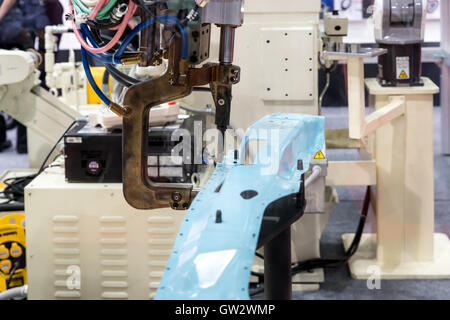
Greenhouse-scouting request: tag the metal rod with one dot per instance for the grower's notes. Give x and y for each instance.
(277, 267)
(316, 171)
(227, 34)
(324, 91)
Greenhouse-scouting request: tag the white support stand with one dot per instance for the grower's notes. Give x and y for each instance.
(405, 246)
(445, 94)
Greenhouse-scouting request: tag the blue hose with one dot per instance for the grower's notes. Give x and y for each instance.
(329, 3)
(115, 59)
(87, 70)
(102, 57)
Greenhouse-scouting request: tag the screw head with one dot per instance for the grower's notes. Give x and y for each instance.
(221, 102)
(176, 196)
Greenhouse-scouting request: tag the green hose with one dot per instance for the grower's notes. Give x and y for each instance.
(106, 10)
(81, 7)
(103, 14)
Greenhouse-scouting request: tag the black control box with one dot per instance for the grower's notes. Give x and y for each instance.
(94, 155)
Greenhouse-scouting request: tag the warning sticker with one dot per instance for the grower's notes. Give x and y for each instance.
(403, 68)
(319, 156)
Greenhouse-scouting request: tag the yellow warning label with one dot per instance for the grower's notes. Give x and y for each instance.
(403, 75)
(319, 156)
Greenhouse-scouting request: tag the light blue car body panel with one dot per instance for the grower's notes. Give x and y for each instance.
(212, 261)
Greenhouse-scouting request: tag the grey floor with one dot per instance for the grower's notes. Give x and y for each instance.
(338, 283)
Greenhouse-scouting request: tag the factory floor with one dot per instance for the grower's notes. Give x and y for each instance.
(338, 282)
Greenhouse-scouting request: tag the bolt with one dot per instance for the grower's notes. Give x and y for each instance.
(219, 216)
(176, 196)
(221, 102)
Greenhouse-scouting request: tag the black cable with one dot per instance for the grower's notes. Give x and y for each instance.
(124, 79)
(105, 80)
(257, 274)
(259, 255)
(12, 207)
(256, 291)
(102, 24)
(42, 168)
(312, 264)
(100, 39)
(14, 187)
(14, 191)
(121, 77)
(11, 273)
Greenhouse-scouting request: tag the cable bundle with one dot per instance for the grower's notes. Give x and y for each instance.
(101, 10)
(14, 190)
(89, 17)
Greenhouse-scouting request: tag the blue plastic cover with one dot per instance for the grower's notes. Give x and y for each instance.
(212, 261)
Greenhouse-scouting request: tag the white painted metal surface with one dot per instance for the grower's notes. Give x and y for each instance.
(445, 85)
(85, 242)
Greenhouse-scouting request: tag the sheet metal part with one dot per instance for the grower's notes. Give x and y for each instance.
(213, 260)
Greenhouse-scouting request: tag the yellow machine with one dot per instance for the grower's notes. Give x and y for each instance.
(12, 251)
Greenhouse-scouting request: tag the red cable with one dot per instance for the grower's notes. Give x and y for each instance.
(131, 10)
(100, 4)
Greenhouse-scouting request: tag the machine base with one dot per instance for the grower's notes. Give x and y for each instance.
(365, 258)
(414, 83)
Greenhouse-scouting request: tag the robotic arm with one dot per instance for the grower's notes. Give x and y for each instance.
(400, 28)
(22, 98)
